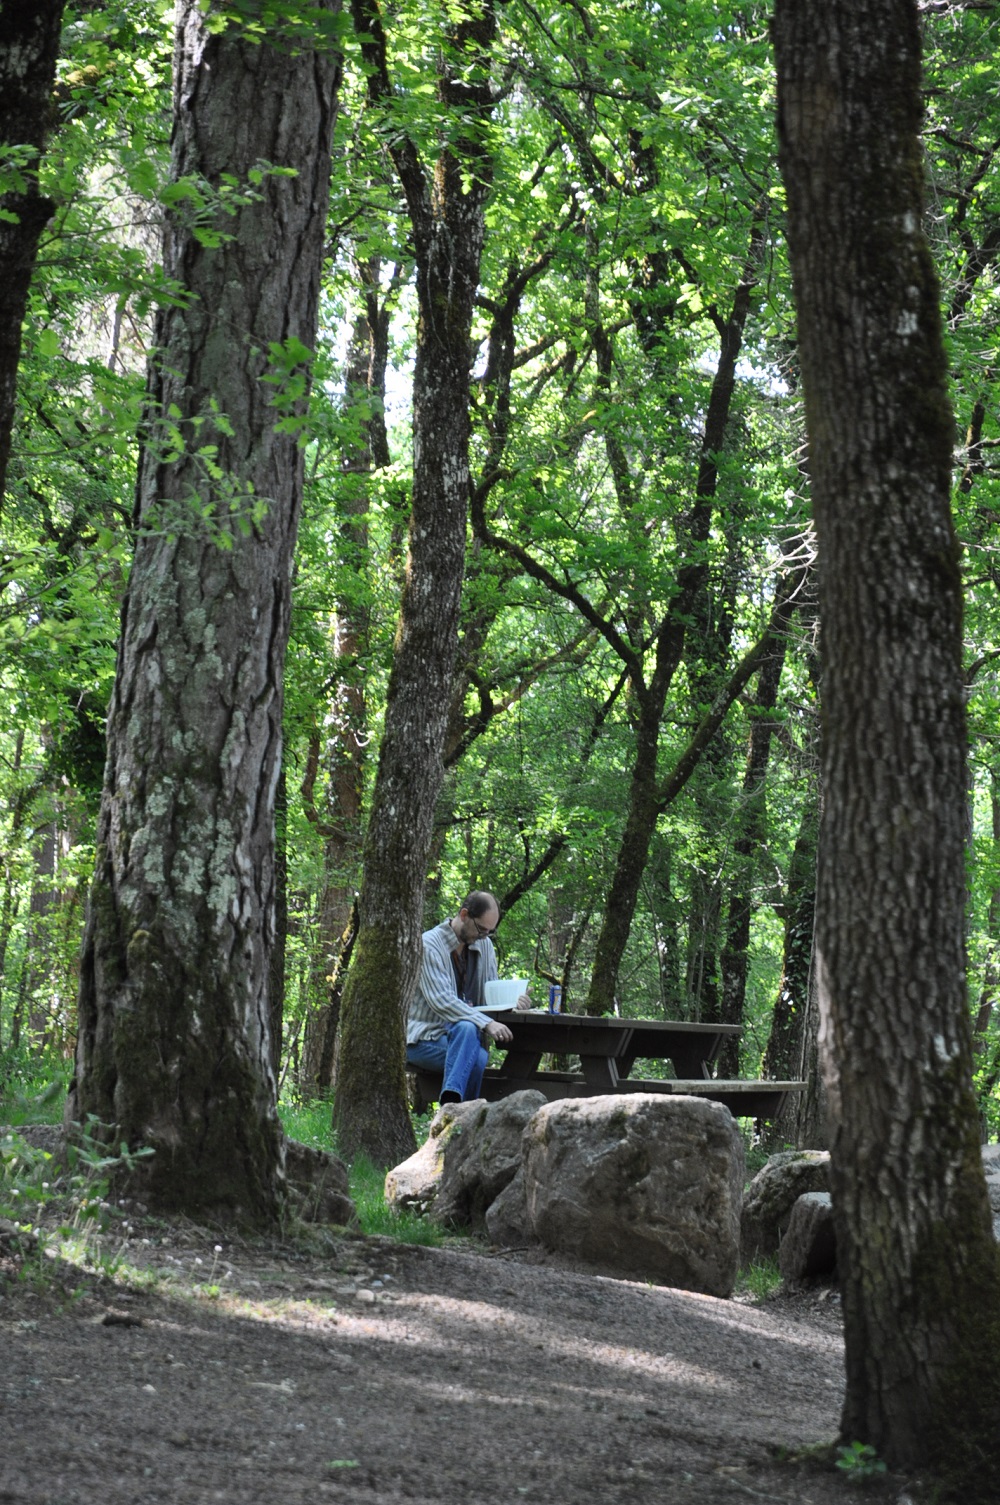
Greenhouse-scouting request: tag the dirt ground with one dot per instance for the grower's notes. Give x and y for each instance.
(366, 1371)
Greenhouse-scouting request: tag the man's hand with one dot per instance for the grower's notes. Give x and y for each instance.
(524, 1002)
(498, 1032)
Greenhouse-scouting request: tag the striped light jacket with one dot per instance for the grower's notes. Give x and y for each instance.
(435, 1005)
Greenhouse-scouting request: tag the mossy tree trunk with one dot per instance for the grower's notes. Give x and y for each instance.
(918, 1261)
(174, 1039)
(446, 204)
(29, 48)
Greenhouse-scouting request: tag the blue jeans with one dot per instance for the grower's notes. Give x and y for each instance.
(458, 1056)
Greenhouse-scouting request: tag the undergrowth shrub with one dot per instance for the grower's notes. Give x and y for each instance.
(58, 1203)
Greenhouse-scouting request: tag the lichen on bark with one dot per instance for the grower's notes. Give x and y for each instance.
(174, 1046)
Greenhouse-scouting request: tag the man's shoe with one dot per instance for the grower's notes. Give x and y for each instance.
(449, 1097)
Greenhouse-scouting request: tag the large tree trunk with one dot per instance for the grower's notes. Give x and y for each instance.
(918, 1261)
(447, 215)
(175, 1004)
(29, 48)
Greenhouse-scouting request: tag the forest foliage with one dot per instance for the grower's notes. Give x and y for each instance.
(639, 506)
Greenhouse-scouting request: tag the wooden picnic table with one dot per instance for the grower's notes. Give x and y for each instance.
(608, 1048)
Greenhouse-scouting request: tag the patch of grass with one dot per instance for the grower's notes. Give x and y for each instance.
(31, 1093)
(310, 1123)
(376, 1216)
(759, 1279)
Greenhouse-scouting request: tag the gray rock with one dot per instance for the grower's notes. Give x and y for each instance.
(809, 1248)
(414, 1182)
(472, 1153)
(483, 1159)
(507, 1220)
(317, 1182)
(647, 1185)
(773, 1192)
(991, 1166)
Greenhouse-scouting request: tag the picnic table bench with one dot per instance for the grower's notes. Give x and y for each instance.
(608, 1048)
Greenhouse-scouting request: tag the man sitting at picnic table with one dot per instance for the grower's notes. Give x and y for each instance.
(447, 1030)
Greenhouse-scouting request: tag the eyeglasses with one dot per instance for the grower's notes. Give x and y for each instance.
(482, 930)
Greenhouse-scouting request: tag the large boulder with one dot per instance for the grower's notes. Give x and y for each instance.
(318, 1185)
(507, 1221)
(809, 1248)
(412, 1185)
(473, 1151)
(647, 1185)
(481, 1161)
(991, 1165)
(773, 1192)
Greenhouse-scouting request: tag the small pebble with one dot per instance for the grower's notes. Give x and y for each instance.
(364, 1296)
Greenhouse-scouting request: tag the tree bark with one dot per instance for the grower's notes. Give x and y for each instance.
(918, 1261)
(29, 49)
(279, 950)
(174, 1045)
(446, 210)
